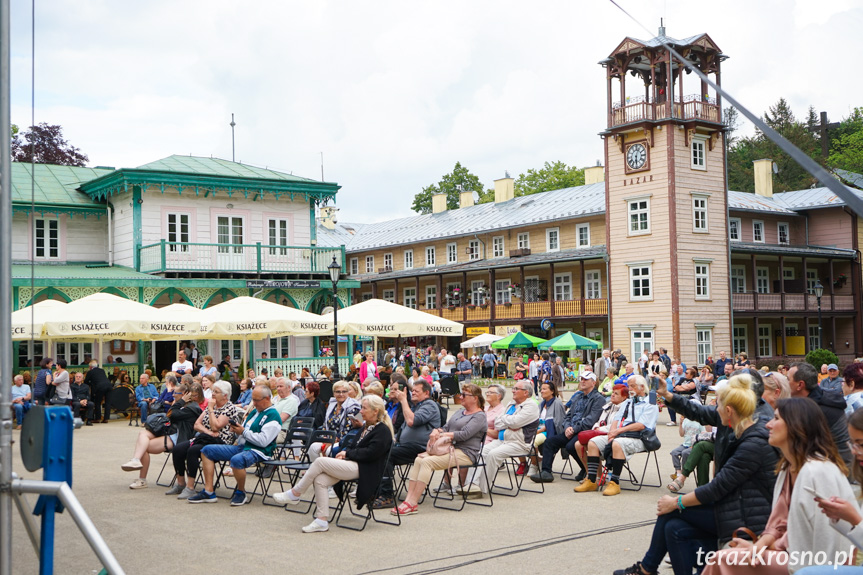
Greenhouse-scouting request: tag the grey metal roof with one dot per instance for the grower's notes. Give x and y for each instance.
(545, 207)
(658, 41)
(753, 202)
(811, 199)
(808, 251)
(852, 178)
(343, 234)
(591, 253)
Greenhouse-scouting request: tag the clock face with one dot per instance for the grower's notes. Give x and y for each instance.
(636, 156)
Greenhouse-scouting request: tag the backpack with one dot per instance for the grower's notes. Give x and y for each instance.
(444, 413)
(158, 424)
(545, 370)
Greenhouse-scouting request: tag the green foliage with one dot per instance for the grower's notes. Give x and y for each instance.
(550, 177)
(846, 146)
(448, 185)
(44, 144)
(819, 357)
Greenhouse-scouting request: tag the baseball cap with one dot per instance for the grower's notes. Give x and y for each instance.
(588, 375)
(832, 366)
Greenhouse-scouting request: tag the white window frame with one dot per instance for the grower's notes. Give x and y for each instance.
(474, 291)
(388, 261)
(698, 152)
(409, 259)
(49, 243)
(702, 282)
(370, 264)
(178, 232)
(811, 280)
(231, 236)
(788, 273)
(278, 346)
(635, 208)
(813, 336)
(765, 277)
(475, 252)
(524, 240)
(67, 350)
(699, 213)
(452, 253)
(734, 224)
(641, 272)
(703, 343)
(355, 266)
(431, 256)
(585, 241)
(637, 339)
(389, 295)
(366, 296)
(738, 272)
(762, 339)
(502, 294)
(498, 247)
(278, 232)
(552, 239)
(739, 333)
(564, 281)
(756, 226)
(779, 227)
(593, 284)
(431, 297)
(232, 347)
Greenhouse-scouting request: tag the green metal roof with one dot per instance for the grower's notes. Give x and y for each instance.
(78, 271)
(217, 167)
(54, 185)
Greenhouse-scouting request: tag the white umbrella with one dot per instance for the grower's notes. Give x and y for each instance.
(28, 323)
(180, 314)
(381, 318)
(482, 340)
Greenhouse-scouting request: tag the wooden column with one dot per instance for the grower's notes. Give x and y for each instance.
(375, 290)
(755, 354)
(806, 348)
(830, 285)
(581, 283)
(523, 289)
(492, 296)
(782, 286)
(754, 283)
(784, 341)
(833, 331)
(464, 301)
(806, 294)
(440, 295)
(551, 289)
(608, 81)
(418, 294)
(396, 292)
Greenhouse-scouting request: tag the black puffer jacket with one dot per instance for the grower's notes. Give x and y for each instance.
(832, 404)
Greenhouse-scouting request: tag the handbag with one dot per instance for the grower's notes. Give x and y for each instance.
(56, 400)
(442, 446)
(650, 440)
(518, 375)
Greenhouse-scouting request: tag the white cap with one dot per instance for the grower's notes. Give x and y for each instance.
(588, 375)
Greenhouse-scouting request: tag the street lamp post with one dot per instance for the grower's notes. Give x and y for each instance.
(819, 291)
(335, 271)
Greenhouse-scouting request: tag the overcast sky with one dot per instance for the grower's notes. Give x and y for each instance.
(393, 93)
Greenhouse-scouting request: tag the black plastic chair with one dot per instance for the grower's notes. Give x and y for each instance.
(345, 501)
(446, 500)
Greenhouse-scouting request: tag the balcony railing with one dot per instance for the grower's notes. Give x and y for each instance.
(525, 310)
(751, 301)
(692, 108)
(238, 258)
(296, 364)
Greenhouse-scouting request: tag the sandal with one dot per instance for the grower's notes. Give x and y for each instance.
(675, 485)
(404, 509)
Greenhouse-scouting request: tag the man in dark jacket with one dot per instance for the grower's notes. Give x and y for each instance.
(100, 389)
(581, 416)
(81, 403)
(719, 366)
(803, 379)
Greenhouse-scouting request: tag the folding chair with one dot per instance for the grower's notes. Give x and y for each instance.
(448, 388)
(345, 501)
(639, 482)
(567, 462)
(164, 465)
(511, 466)
(293, 468)
(442, 498)
(266, 471)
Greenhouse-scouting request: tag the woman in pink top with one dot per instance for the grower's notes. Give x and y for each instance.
(494, 397)
(368, 368)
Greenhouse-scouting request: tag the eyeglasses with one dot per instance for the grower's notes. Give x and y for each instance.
(340, 391)
(856, 447)
(519, 389)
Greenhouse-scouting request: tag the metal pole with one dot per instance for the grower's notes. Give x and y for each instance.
(233, 149)
(336, 376)
(820, 329)
(5, 297)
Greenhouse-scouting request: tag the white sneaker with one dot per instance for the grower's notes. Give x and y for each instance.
(132, 465)
(532, 470)
(670, 424)
(186, 493)
(332, 494)
(316, 527)
(285, 499)
(138, 484)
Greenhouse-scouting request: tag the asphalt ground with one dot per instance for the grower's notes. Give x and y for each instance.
(555, 532)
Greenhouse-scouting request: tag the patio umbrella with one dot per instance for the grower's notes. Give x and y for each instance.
(570, 341)
(380, 318)
(28, 323)
(482, 340)
(517, 339)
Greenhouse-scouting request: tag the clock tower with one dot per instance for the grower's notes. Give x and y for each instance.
(666, 205)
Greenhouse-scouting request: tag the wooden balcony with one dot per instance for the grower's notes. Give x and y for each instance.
(790, 302)
(639, 110)
(526, 310)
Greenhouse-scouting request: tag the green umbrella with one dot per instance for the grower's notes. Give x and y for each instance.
(517, 339)
(570, 341)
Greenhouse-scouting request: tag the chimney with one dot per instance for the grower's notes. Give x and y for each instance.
(594, 175)
(764, 177)
(328, 217)
(504, 189)
(438, 203)
(465, 199)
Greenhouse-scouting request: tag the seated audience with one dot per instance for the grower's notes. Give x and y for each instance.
(852, 387)
(81, 405)
(166, 396)
(21, 400)
(601, 427)
(551, 418)
(245, 398)
(804, 383)
(286, 404)
(775, 388)
(833, 381)
(312, 406)
(339, 417)
(145, 396)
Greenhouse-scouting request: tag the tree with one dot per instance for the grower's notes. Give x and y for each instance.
(846, 146)
(550, 177)
(448, 184)
(44, 144)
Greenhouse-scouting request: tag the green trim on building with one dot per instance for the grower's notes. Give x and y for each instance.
(137, 231)
(43, 210)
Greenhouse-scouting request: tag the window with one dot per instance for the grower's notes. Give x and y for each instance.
(811, 280)
(178, 232)
(642, 340)
(582, 235)
(738, 339)
(783, 233)
(639, 282)
(475, 297)
(814, 339)
(370, 264)
(389, 295)
(738, 279)
(46, 239)
(409, 259)
(762, 280)
(765, 344)
(788, 273)
(535, 289)
(430, 256)
(431, 297)
(501, 292)
(562, 287)
(277, 234)
(452, 253)
(699, 214)
(639, 216)
(280, 347)
(524, 241)
(702, 283)
(229, 231)
(698, 154)
(233, 348)
(757, 231)
(75, 353)
(704, 344)
(473, 249)
(592, 285)
(497, 247)
(26, 351)
(367, 296)
(388, 261)
(734, 229)
(552, 239)
(355, 266)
